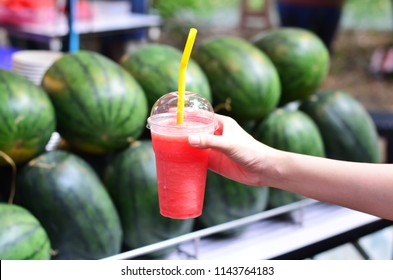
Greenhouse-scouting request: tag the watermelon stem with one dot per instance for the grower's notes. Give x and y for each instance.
(41, 165)
(11, 162)
(226, 105)
(131, 140)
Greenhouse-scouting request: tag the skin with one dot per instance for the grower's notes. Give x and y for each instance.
(366, 187)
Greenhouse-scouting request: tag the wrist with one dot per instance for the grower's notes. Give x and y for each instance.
(274, 164)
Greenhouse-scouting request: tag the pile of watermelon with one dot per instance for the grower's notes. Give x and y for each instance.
(95, 194)
(272, 86)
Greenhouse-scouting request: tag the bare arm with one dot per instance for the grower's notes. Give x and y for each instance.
(360, 186)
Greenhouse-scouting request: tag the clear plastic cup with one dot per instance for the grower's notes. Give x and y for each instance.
(181, 169)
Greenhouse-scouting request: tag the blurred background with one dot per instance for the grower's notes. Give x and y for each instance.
(358, 34)
(363, 29)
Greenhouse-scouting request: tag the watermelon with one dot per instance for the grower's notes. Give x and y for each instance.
(227, 200)
(131, 181)
(347, 129)
(99, 106)
(239, 74)
(72, 204)
(300, 57)
(22, 237)
(156, 68)
(289, 130)
(27, 118)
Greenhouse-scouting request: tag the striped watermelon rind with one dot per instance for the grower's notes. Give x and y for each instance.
(22, 237)
(300, 57)
(347, 129)
(99, 106)
(27, 118)
(240, 73)
(156, 68)
(72, 205)
(292, 131)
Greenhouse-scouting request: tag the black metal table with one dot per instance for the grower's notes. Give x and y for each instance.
(54, 33)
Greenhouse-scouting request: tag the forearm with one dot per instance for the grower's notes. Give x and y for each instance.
(360, 186)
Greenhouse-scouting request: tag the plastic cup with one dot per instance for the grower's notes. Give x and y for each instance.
(181, 169)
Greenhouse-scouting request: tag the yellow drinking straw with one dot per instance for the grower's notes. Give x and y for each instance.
(182, 74)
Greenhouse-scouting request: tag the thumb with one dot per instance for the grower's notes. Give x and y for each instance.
(204, 141)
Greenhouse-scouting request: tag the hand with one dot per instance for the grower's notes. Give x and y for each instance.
(235, 154)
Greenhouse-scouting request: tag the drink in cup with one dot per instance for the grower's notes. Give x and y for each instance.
(181, 169)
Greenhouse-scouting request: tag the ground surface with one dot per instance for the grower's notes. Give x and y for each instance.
(349, 69)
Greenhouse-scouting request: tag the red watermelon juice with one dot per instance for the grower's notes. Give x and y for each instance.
(181, 169)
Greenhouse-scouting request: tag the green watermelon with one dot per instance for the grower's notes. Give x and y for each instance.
(227, 200)
(239, 74)
(131, 181)
(156, 68)
(347, 129)
(301, 59)
(22, 237)
(99, 106)
(292, 131)
(72, 204)
(27, 118)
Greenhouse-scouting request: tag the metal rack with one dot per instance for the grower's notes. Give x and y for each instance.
(66, 27)
(309, 228)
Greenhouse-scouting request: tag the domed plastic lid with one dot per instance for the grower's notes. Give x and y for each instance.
(198, 113)
(192, 102)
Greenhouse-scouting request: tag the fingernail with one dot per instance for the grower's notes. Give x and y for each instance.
(194, 140)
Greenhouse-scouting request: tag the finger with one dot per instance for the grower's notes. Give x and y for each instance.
(204, 141)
